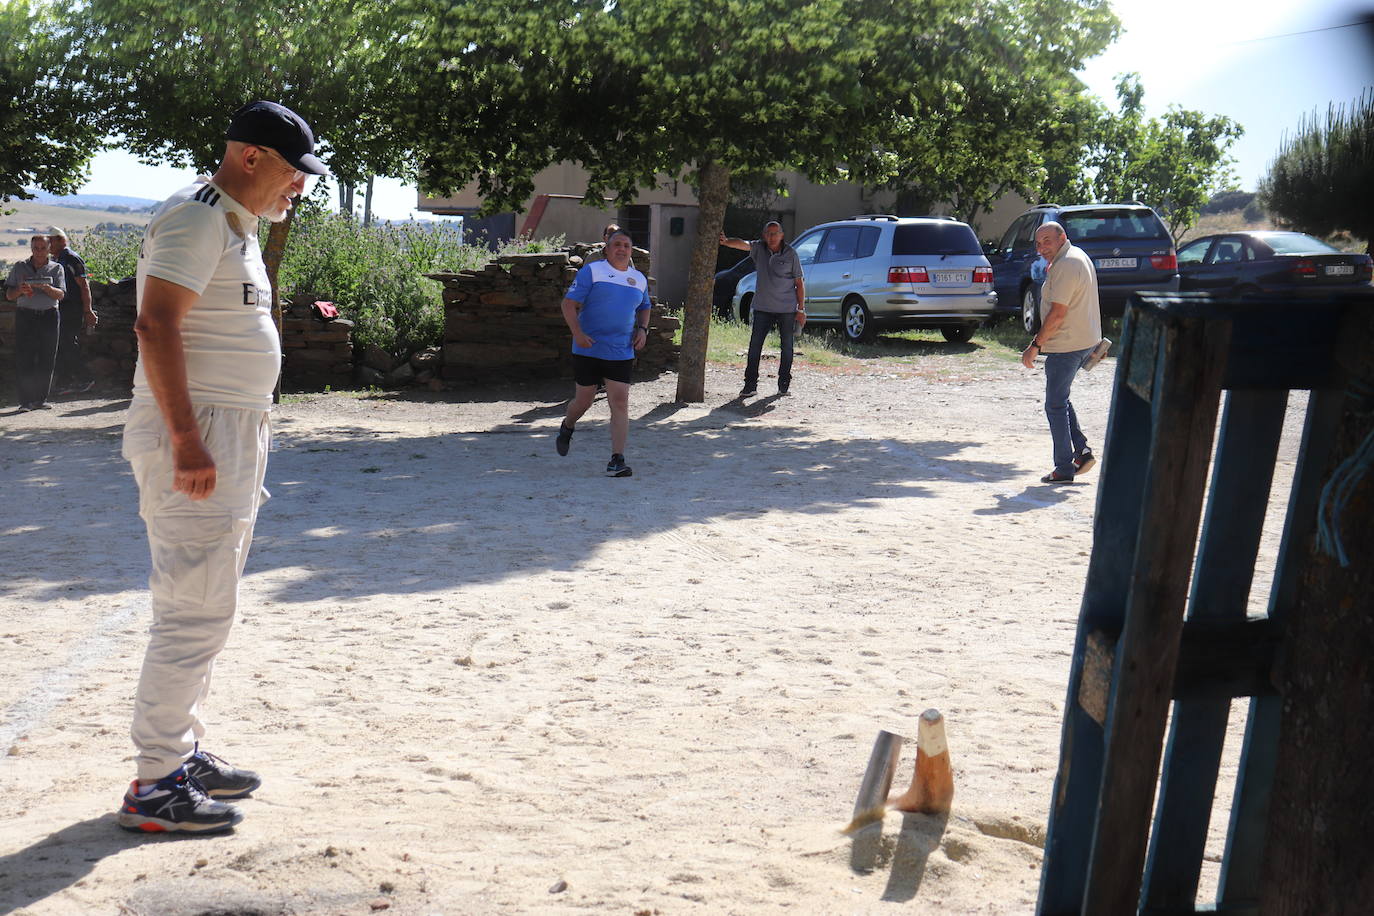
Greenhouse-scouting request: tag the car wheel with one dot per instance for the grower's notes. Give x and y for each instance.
(960, 333)
(1030, 310)
(745, 307)
(858, 321)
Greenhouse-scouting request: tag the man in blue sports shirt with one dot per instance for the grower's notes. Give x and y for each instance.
(607, 310)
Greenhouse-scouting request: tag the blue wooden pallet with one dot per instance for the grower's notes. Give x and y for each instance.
(1146, 641)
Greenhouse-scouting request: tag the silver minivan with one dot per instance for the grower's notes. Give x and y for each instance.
(871, 272)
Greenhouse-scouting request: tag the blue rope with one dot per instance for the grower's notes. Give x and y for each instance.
(1338, 490)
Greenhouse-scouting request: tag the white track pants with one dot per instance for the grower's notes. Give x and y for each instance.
(198, 551)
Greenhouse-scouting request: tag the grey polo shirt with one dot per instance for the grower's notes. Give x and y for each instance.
(775, 289)
(50, 273)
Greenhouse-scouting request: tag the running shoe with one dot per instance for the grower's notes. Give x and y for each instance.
(1099, 351)
(748, 391)
(1084, 462)
(564, 440)
(177, 803)
(1056, 477)
(617, 467)
(218, 778)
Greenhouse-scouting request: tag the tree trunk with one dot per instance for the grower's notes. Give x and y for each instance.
(271, 258)
(713, 192)
(345, 198)
(367, 201)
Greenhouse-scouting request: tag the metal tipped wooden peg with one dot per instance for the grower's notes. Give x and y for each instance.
(882, 766)
(932, 787)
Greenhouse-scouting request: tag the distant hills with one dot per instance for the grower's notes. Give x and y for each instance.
(114, 203)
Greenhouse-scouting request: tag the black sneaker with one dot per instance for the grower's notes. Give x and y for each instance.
(177, 804)
(564, 440)
(748, 391)
(218, 778)
(617, 467)
(1084, 461)
(1056, 477)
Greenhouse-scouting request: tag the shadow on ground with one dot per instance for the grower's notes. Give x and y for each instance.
(464, 507)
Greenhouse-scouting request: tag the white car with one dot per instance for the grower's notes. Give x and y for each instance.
(872, 272)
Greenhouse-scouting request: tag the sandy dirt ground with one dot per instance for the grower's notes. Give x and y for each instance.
(480, 678)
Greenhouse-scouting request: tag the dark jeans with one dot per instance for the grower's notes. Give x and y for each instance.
(35, 352)
(764, 322)
(1060, 368)
(71, 368)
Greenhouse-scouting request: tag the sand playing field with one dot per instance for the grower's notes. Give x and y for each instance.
(480, 678)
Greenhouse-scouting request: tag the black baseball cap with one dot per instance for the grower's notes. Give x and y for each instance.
(277, 127)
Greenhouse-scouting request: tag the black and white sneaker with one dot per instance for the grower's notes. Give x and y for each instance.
(218, 778)
(1084, 462)
(748, 391)
(564, 440)
(617, 467)
(177, 803)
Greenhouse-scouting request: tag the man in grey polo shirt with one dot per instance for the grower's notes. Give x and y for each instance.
(779, 299)
(35, 285)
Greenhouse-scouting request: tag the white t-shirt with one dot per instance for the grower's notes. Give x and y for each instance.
(204, 240)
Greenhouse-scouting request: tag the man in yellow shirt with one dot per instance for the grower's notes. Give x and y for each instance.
(1070, 337)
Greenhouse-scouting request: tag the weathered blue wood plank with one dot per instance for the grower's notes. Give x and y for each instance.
(1186, 398)
(1242, 473)
(1115, 531)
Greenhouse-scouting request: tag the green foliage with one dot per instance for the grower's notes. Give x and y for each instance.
(1322, 179)
(1174, 164)
(376, 275)
(110, 255)
(172, 72)
(1002, 115)
(48, 120)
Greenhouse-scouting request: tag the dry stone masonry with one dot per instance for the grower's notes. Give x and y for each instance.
(505, 319)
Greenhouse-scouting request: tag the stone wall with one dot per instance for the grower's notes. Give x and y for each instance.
(110, 349)
(505, 319)
(316, 353)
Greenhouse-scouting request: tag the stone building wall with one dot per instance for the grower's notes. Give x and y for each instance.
(505, 319)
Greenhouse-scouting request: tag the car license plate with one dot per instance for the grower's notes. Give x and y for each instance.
(951, 276)
(1113, 263)
(1340, 270)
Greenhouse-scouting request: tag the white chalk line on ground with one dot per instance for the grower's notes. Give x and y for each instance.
(55, 684)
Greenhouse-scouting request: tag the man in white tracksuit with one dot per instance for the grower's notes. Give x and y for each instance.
(197, 438)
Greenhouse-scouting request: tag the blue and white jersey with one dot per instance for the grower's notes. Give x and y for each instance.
(610, 298)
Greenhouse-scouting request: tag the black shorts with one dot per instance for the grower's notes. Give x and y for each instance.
(588, 370)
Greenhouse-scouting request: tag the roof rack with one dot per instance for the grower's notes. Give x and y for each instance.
(886, 216)
(1046, 207)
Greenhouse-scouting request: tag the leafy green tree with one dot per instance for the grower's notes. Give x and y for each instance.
(1175, 163)
(49, 122)
(1322, 180)
(171, 72)
(699, 89)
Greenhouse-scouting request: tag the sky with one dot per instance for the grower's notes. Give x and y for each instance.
(1262, 65)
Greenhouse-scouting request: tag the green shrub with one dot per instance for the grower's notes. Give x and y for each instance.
(110, 254)
(374, 274)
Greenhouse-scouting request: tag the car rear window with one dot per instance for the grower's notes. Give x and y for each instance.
(1295, 243)
(1112, 225)
(935, 238)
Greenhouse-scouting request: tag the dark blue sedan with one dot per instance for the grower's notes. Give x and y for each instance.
(1253, 263)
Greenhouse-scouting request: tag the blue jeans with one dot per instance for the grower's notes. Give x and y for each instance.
(1060, 368)
(786, 323)
(35, 352)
